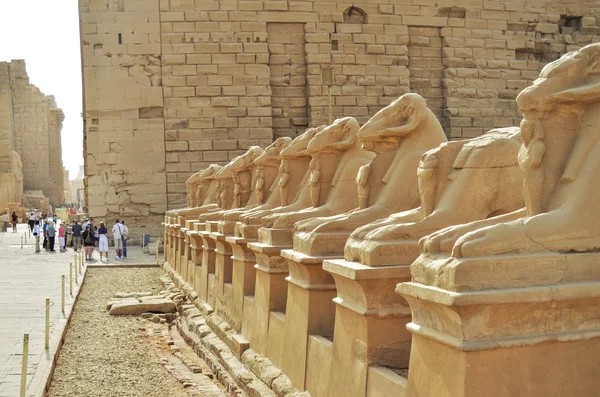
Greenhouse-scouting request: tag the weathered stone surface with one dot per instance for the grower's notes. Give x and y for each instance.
(158, 305)
(30, 150)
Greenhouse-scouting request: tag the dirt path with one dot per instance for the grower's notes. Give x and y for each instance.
(107, 355)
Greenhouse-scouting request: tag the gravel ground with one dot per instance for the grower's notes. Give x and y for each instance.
(104, 355)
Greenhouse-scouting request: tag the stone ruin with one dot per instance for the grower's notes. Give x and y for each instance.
(31, 169)
(173, 86)
(402, 264)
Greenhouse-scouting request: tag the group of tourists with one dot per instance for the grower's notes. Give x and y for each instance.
(94, 237)
(86, 236)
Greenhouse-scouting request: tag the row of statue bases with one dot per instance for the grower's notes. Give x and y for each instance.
(350, 253)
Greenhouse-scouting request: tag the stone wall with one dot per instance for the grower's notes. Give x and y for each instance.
(37, 127)
(174, 85)
(11, 167)
(124, 140)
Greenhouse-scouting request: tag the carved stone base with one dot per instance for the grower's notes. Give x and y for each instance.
(321, 244)
(243, 277)
(226, 227)
(207, 278)
(376, 253)
(223, 274)
(369, 324)
(271, 287)
(248, 232)
(310, 311)
(525, 325)
(196, 260)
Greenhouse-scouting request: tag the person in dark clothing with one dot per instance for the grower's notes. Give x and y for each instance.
(89, 240)
(76, 233)
(15, 220)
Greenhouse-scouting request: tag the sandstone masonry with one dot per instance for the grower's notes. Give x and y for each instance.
(30, 125)
(171, 86)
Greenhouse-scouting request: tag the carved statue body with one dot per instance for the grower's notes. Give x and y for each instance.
(238, 181)
(206, 192)
(562, 213)
(265, 178)
(399, 134)
(340, 157)
(460, 182)
(294, 170)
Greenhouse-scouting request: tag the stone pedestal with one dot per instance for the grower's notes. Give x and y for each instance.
(310, 311)
(270, 289)
(370, 324)
(173, 230)
(243, 281)
(523, 325)
(195, 243)
(186, 270)
(249, 232)
(223, 274)
(206, 283)
(382, 253)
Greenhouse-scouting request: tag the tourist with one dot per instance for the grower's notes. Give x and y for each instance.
(76, 235)
(61, 237)
(45, 231)
(125, 234)
(88, 242)
(103, 241)
(86, 223)
(31, 220)
(117, 231)
(36, 233)
(51, 232)
(15, 220)
(54, 218)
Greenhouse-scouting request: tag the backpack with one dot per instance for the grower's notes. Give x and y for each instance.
(88, 238)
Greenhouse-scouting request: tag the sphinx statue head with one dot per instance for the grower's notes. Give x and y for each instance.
(299, 146)
(395, 120)
(337, 137)
(246, 160)
(271, 157)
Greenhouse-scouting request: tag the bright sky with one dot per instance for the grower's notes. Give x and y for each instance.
(46, 34)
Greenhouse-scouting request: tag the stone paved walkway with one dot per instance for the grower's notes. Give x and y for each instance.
(26, 280)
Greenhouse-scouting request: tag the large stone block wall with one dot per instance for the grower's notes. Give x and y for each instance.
(124, 140)
(37, 127)
(204, 79)
(11, 168)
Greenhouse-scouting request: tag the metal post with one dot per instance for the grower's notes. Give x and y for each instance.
(24, 364)
(47, 340)
(21, 242)
(25, 236)
(62, 300)
(76, 277)
(71, 279)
